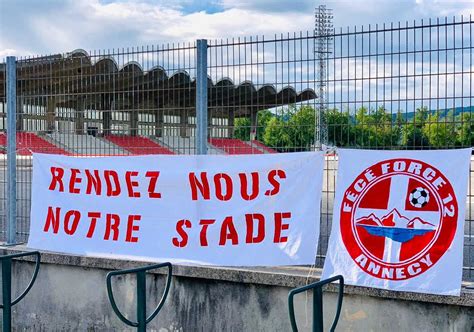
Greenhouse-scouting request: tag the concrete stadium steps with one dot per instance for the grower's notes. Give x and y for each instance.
(27, 143)
(234, 146)
(185, 145)
(87, 145)
(261, 146)
(138, 145)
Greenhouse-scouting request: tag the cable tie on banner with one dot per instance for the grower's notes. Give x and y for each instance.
(329, 149)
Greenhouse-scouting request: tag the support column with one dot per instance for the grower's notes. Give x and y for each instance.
(105, 107)
(210, 126)
(79, 116)
(253, 125)
(201, 96)
(231, 123)
(51, 114)
(183, 123)
(134, 123)
(19, 114)
(159, 120)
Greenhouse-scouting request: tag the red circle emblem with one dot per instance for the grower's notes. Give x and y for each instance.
(398, 218)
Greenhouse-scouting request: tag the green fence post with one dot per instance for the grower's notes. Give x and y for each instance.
(7, 302)
(317, 288)
(318, 309)
(140, 273)
(7, 294)
(141, 301)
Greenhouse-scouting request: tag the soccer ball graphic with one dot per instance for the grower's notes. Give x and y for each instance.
(419, 197)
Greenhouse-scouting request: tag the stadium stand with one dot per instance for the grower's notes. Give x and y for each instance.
(138, 145)
(185, 145)
(87, 144)
(234, 146)
(27, 143)
(261, 146)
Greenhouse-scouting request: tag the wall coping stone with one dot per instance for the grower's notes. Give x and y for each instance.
(291, 276)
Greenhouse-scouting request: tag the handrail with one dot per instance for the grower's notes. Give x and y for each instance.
(140, 272)
(317, 303)
(7, 303)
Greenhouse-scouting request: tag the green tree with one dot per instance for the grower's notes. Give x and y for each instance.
(413, 136)
(263, 117)
(465, 129)
(242, 128)
(440, 131)
(375, 128)
(301, 126)
(276, 134)
(243, 125)
(339, 127)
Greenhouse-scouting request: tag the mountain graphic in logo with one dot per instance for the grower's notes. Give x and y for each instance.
(395, 226)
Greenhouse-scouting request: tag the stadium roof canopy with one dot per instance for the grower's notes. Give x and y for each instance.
(75, 75)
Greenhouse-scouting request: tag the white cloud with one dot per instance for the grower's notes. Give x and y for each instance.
(8, 52)
(58, 26)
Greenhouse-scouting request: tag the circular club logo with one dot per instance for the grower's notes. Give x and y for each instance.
(398, 218)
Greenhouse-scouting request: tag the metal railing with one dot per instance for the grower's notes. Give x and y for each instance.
(140, 273)
(317, 287)
(396, 86)
(7, 302)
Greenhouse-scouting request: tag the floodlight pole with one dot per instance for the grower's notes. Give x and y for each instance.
(11, 149)
(201, 96)
(323, 32)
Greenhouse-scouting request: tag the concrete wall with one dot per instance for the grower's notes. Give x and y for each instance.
(70, 295)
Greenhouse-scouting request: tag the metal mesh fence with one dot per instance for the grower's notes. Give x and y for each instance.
(388, 87)
(405, 86)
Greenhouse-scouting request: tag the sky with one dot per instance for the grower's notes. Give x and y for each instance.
(39, 27)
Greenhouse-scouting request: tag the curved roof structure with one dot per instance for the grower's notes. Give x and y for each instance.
(75, 75)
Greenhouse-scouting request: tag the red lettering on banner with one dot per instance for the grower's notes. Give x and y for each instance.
(70, 227)
(153, 175)
(280, 226)
(244, 186)
(93, 216)
(274, 182)
(74, 180)
(131, 184)
(72, 218)
(182, 233)
(52, 219)
(131, 227)
(249, 219)
(228, 186)
(254, 232)
(203, 234)
(93, 181)
(203, 186)
(112, 222)
(57, 174)
(228, 232)
(111, 176)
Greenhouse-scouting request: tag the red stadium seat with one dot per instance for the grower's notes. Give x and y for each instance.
(234, 146)
(27, 143)
(138, 145)
(263, 146)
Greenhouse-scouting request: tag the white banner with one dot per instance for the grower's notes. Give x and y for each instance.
(398, 220)
(223, 210)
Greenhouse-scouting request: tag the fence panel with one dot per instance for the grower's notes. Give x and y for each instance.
(120, 102)
(405, 86)
(397, 86)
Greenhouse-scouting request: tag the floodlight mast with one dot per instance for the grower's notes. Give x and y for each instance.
(323, 31)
